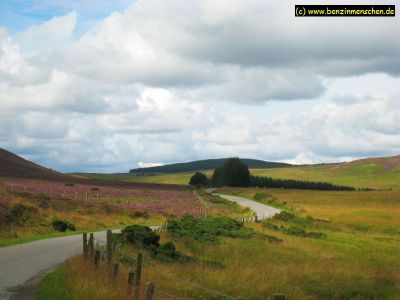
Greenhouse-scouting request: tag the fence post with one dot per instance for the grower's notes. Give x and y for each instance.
(115, 270)
(278, 297)
(109, 246)
(131, 276)
(256, 218)
(96, 257)
(138, 274)
(91, 244)
(85, 244)
(150, 291)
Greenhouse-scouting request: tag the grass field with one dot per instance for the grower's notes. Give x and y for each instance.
(28, 207)
(357, 259)
(356, 175)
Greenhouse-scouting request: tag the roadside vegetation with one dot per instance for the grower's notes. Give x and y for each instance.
(32, 209)
(329, 245)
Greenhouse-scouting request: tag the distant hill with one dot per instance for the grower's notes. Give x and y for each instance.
(370, 165)
(206, 164)
(12, 165)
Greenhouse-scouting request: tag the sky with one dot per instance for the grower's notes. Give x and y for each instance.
(106, 86)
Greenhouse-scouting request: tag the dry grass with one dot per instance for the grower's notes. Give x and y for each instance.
(359, 258)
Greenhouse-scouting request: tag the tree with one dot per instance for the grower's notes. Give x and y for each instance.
(198, 179)
(233, 173)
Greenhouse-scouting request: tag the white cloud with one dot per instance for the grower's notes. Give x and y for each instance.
(174, 80)
(52, 33)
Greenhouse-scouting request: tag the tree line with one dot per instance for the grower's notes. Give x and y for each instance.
(236, 174)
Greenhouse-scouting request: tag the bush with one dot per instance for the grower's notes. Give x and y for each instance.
(199, 179)
(20, 213)
(284, 215)
(260, 196)
(69, 184)
(62, 225)
(208, 229)
(139, 214)
(141, 235)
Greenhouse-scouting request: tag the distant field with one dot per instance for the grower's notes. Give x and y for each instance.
(366, 175)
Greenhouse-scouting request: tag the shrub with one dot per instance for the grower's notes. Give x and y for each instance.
(260, 196)
(139, 214)
(69, 184)
(199, 179)
(62, 225)
(17, 211)
(208, 229)
(20, 213)
(284, 215)
(141, 235)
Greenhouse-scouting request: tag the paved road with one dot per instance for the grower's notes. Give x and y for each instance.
(263, 211)
(21, 262)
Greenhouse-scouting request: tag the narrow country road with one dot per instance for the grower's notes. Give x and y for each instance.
(21, 262)
(262, 211)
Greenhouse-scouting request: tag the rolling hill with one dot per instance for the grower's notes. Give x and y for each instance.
(206, 164)
(375, 172)
(12, 165)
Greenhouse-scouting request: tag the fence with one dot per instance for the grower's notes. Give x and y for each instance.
(134, 275)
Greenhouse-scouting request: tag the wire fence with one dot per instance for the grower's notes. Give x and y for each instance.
(106, 250)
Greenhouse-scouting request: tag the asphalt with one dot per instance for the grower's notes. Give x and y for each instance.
(262, 211)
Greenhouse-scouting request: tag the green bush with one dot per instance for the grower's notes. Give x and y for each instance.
(260, 196)
(20, 213)
(62, 225)
(284, 215)
(141, 235)
(199, 179)
(208, 229)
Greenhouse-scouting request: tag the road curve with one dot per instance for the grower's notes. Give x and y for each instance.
(263, 211)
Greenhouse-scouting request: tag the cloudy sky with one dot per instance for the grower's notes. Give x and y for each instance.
(111, 85)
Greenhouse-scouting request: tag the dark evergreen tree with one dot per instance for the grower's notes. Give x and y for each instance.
(233, 173)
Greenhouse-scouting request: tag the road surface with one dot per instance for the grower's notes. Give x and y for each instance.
(263, 211)
(21, 262)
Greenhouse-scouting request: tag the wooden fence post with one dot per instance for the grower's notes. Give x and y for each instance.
(150, 291)
(96, 257)
(109, 246)
(131, 276)
(138, 274)
(85, 244)
(91, 244)
(278, 297)
(115, 270)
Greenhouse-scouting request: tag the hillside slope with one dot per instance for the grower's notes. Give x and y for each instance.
(12, 165)
(373, 172)
(206, 164)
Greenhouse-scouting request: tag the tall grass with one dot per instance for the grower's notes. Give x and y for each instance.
(358, 259)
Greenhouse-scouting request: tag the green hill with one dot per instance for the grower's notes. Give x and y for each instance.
(206, 164)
